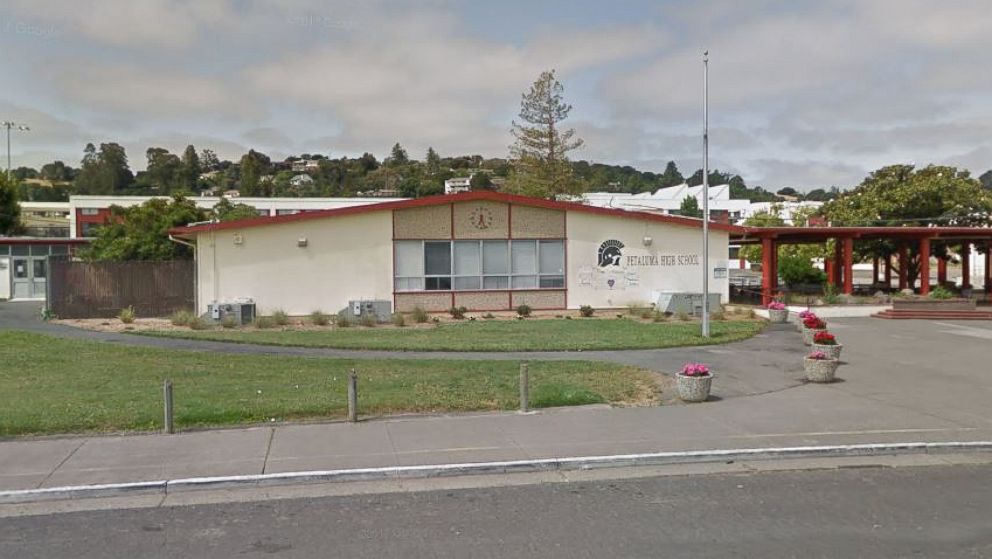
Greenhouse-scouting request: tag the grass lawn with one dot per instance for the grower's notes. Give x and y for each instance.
(502, 335)
(51, 385)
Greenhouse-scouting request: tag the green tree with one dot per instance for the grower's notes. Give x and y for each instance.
(540, 151)
(787, 191)
(10, 209)
(398, 156)
(481, 181)
(208, 160)
(56, 171)
(671, 176)
(190, 169)
(253, 165)
(142, 232)
(986, 179)
(104, 171)
(903, 195)
(161, 170)
(225, 210)
(433, 162)
(690, 207)
(22, 173)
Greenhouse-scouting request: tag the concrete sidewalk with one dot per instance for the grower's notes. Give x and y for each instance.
(904, 382)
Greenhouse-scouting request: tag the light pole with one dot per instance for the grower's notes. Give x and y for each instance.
(19, 127)
(706, 196)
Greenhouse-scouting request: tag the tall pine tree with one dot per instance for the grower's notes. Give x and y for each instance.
(540, 152)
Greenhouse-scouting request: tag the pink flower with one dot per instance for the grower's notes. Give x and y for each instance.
(776, 306)
(695, 370)
(806, 314)
(817, 355)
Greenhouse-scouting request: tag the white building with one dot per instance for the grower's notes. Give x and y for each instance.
(481, 250)
(302, 179)
(785, 210)
(459, 184)
(668, 200)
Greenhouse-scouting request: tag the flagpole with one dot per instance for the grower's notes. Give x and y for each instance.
(706, 197)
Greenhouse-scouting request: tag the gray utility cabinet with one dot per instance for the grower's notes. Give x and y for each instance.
(381, 309)
(243, 313)
(689, 303)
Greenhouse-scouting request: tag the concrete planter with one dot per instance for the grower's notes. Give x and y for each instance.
(694, 389)
(778, 316)
(832, 351)
(808, 334)
(820, 370)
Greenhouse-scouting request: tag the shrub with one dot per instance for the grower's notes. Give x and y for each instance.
(751, 313)
(636, 308)
(342, 320)
(318, 318)
(523, 310)
(127, 315)
(659, 316)
(647, 313)
(263, 322)
(419, 315)
(182, 317)
(586, 311)
(488, 315)
(718, 315)
(229, 321)
(280, 317)
(795, 270)
(368, 320)
(398, 320)
(457, 313)
(830, 295)
(196, 323)
(683, 316)
(940, 292)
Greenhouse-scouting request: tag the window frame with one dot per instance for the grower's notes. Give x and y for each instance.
(446, 283)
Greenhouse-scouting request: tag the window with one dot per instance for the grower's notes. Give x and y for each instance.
(4, 250)
(39, 250)
(409, 263)
(474, 265)
(287, 212)
(437, 265)
(40, 268)
(20, 268)
(89, 229)
(19, 250)
(89, 211)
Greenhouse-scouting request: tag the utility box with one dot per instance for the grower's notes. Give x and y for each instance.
(243, 312)
(381, 309)
(689, 303)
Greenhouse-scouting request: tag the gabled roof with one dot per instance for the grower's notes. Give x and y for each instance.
(451, 199)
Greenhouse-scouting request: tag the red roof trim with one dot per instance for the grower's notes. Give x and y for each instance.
(855, 232)
(453, 199)
(42, 241)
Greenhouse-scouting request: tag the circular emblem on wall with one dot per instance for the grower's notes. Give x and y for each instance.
(481, 218)
(610, 253)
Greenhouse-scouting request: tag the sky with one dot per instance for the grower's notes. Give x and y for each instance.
(807, 94)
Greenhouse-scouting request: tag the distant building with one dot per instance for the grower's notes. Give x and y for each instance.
(302, 179)
(459, 184)
(668, 201)
(305, 165)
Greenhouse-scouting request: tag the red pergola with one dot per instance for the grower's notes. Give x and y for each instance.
(840, 269)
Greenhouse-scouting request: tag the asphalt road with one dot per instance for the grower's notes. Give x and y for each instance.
(941, 511)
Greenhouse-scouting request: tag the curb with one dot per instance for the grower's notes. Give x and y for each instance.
(165, 487)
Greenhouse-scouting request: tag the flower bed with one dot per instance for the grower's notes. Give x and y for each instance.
(694, 382)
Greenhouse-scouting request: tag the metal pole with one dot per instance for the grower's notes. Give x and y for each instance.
(353, 396)
(8, 125)
(168, 428)
(524, 388)
(706, 197)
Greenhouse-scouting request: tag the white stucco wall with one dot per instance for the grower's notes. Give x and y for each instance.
(346, 257)
(5, 275)
(664, 265)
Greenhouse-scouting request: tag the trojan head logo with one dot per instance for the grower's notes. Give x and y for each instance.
(610, 253)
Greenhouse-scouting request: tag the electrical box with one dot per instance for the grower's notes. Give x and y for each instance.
(689, 303)
(381, 309)
(243, 312)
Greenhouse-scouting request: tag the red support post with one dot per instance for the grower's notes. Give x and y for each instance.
(767, 246)
(838, 262)
(988, 267)
(966, 264)
(828, 269)
(924, 266)
(774, 267)
(848, 265)
(888, 271)
(875, 265)
(903, 266)
(941, 271)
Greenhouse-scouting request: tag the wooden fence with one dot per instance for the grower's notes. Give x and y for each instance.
(102, 289)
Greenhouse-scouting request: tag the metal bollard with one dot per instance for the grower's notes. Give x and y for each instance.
(524, 388)
(353, 396)
(168, 428)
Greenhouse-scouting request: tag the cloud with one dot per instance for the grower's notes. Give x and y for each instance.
(803, 175)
